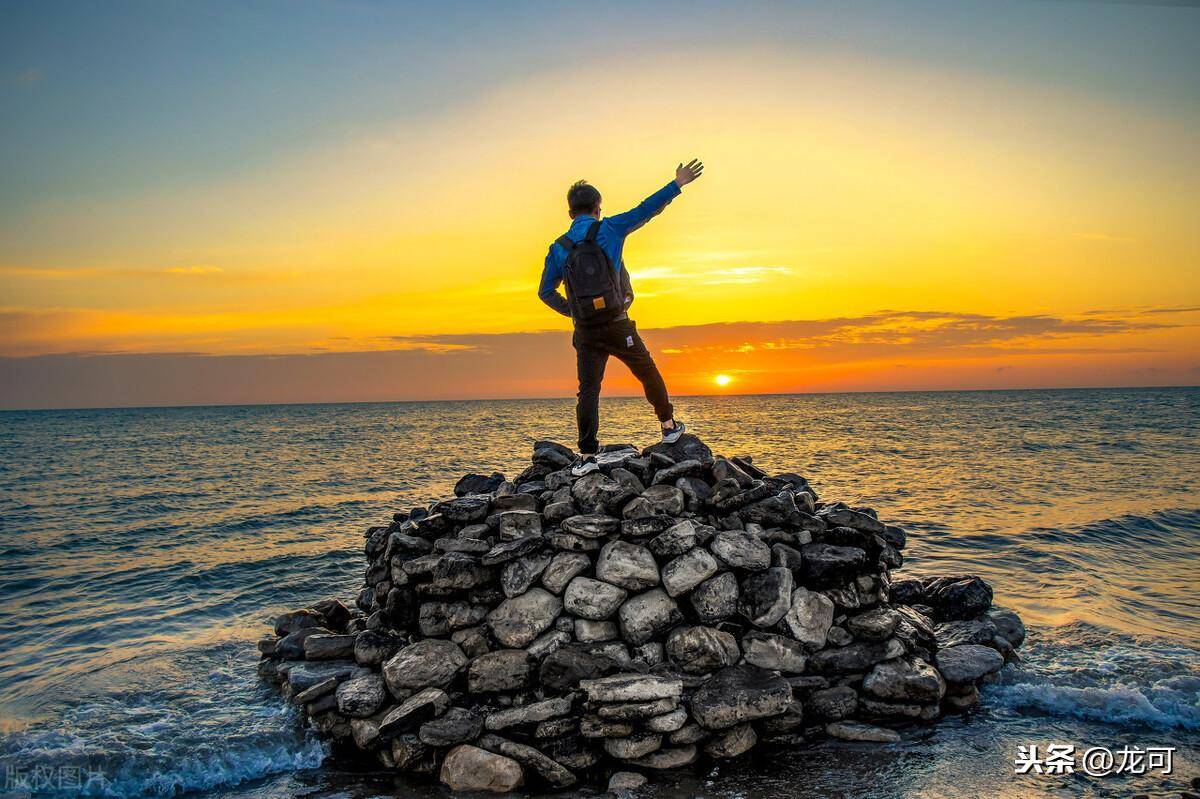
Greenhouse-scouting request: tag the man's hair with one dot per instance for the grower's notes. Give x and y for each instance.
(582, 198)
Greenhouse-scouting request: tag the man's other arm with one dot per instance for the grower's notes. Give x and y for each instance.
(652, 206)
(552, 275)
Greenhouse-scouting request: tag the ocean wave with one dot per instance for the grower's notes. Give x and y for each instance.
(1157, 707)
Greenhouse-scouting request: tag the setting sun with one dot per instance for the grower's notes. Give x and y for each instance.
(723, 380)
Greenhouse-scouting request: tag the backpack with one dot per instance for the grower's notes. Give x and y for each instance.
(593, 288)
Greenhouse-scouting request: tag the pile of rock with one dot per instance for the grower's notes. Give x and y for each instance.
(669, 607)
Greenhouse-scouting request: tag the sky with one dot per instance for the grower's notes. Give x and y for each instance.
(229, 202)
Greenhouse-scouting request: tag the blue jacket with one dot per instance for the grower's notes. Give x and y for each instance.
(610, 237)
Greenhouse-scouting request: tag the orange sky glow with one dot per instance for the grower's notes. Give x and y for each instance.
(869, 220)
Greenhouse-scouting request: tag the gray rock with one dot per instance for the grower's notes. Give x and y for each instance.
(666, 500)
(588, 631)
(371, 648)
(528, 714)
(827, 565)
(765, 596)
(1008, 625)
(440, 618)
(874, 625)
(844, 517)
(430, 662)
(564, 668)
(856, 657)
(511, 550)
(597, 492)
(699, 650)
(687, 447)
(834, 704)
(455, 726)
(593, 599)
(361, 696)
(773, 652)
(968, 662)
(633, 746)
(302, 676)
(857, 731)
(469, 768)
(809, 618)
(675, 540)
(646, 615)
(966, 631)
(553, 772)
(667, 722)
(636, 711)
(502, 670)
(627, 565)
(666, 758)
(684, 468)
(905, 679)
(623, 783)
(562, 568)
(741, 550)
(329, 647)
(414, 711)
(687, 571)
(547, 643)
(517, 621)
(738, 694)
(716, 598)
(732, 742)
(466, 509)
(518, 575)
(516, 524)
(631, 688)
(592, 525)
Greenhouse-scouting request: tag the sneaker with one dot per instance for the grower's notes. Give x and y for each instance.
(674, 434)
(585, 465)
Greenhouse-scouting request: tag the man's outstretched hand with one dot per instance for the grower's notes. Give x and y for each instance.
(686, 173)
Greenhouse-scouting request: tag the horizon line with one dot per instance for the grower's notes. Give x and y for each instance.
(631, 395)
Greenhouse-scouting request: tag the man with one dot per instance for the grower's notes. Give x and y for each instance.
(588, 259)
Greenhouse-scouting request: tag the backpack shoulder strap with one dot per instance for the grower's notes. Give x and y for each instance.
(591, 233)
(565, 242)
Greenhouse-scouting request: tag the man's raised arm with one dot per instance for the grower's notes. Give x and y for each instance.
(653, 205)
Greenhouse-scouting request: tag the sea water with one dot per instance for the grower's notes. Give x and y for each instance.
(143, 551)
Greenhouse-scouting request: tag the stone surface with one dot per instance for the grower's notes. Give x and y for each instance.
(774, 652)
(431, 662)
(627, 565)
(857, 731)
(716, 598)
(968, 662)
(469, 768)
(361, 696)
(518, 620)
(502, 670)
(646, 615)
(738, 694)
(741, 550)
(905, 679)
(764, 597)
(699, 649)
(631, 688)
(809, 618)
(687, 571)
(414, 711)
(457, 725)
(670, 606)
(563, 567)
(593, 599)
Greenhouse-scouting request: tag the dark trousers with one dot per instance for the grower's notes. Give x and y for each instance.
(593, 345)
